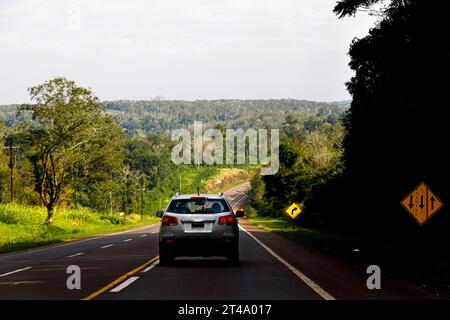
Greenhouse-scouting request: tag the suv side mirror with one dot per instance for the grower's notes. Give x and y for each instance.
(159, 214)
(240, 214)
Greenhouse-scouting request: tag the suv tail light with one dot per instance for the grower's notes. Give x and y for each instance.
(169, 221)
(226, 219)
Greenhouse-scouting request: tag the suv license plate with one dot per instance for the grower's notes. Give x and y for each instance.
(198, 225)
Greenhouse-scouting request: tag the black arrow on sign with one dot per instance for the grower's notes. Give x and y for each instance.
(421, 202)
(411, 204)
(292, 211)
(432, 202)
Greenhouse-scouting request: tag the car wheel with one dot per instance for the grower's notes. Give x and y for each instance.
(165, 259)
(234, 256)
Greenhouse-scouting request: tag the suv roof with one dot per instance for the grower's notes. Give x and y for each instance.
(206, 195)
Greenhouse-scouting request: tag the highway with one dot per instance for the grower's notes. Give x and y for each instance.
(125, 266)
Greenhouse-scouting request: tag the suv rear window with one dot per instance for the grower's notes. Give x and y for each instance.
(198, 206)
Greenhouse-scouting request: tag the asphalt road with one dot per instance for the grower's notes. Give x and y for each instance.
(125, 266)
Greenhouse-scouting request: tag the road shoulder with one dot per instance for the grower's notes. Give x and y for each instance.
(343, 280)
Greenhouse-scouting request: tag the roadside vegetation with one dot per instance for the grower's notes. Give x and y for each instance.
(23, 227)
(332, 243)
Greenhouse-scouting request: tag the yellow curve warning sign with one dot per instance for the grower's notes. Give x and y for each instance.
(294, 210)
(421, 203)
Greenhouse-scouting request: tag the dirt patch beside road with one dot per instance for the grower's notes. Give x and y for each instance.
(227, 178)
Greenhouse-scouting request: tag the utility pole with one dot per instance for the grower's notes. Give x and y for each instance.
(142, 200)
(111, 202)
(142, 195)
(11, 166)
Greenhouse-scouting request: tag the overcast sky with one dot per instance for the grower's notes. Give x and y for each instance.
(184, 49)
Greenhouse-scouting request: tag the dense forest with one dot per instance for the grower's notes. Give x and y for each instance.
(161, 116)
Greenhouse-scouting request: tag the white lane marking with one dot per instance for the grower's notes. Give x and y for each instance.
(126, 240)
(318, 289)
(107, 246)
(124, 284)
(75, 255)
(18, 283)
(234, 198)
(150, 267)
(240, 185)
(239, 194)
(143, 235)
(133, 230)
(242, 198)
(15, 271)
(155, 232)
(5, 256)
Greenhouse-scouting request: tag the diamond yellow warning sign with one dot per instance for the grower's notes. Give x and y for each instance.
(294, 210)
(421, 203)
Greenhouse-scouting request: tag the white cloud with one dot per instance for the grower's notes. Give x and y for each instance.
(180, 49)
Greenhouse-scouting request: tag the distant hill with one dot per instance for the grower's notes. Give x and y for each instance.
(165, 115)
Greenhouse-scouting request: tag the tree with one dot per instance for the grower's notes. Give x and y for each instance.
(397, 119)
(70, 134)
(350, 7)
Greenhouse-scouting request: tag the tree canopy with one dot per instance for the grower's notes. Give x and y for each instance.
(70, 137)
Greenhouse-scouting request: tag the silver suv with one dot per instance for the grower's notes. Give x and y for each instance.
(198, 225)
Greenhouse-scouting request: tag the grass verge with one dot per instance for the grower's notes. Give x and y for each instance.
(21, 227)
(335, 244)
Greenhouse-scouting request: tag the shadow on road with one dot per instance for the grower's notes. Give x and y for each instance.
(202, 263)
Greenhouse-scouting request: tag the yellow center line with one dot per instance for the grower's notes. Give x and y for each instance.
(120, 279)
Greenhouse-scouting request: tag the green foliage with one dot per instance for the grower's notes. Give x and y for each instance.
(309, 159)
(350, 7)
(21, 227)
(332, 243)
(256, 195)
(162, 116)
(69, 136)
